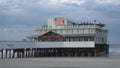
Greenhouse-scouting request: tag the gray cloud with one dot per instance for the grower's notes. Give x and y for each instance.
(16, 32)
(36, 12)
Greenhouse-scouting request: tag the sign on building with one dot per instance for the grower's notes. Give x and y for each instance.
(59, 21)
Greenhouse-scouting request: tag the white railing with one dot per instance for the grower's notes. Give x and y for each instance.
(18, 45)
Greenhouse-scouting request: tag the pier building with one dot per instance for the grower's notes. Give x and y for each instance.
(64, 37)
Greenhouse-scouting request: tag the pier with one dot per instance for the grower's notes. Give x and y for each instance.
(32, 52)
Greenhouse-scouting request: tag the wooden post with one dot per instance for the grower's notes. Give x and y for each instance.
(2, 53)
(13, 53)
(9, 53)
(6, 53)
(95, 53)
(16, 54)
(22, 53)
(26, 53)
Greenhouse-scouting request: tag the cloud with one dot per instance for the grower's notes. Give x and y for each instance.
(84, 2)
(67, 2)
(108, 2)
(18, 11)
(15, 32)
(15, 10)
(36, 12)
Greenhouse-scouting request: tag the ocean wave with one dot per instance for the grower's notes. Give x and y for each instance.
(114, 52)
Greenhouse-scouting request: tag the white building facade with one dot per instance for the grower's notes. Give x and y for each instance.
(72, 32)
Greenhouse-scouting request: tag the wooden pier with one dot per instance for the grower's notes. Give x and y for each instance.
(99, 50)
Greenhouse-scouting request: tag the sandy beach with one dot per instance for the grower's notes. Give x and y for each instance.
(64, 62)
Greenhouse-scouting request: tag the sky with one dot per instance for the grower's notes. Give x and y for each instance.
(19, 18)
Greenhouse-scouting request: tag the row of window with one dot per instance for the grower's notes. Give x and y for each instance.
(66, 39)
(68, 27)
(85, 31)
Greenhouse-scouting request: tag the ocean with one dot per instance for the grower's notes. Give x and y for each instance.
(114, 50)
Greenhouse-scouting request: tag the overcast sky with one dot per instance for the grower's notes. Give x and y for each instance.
(18, 18)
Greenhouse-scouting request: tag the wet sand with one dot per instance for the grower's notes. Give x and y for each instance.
(63, 62)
